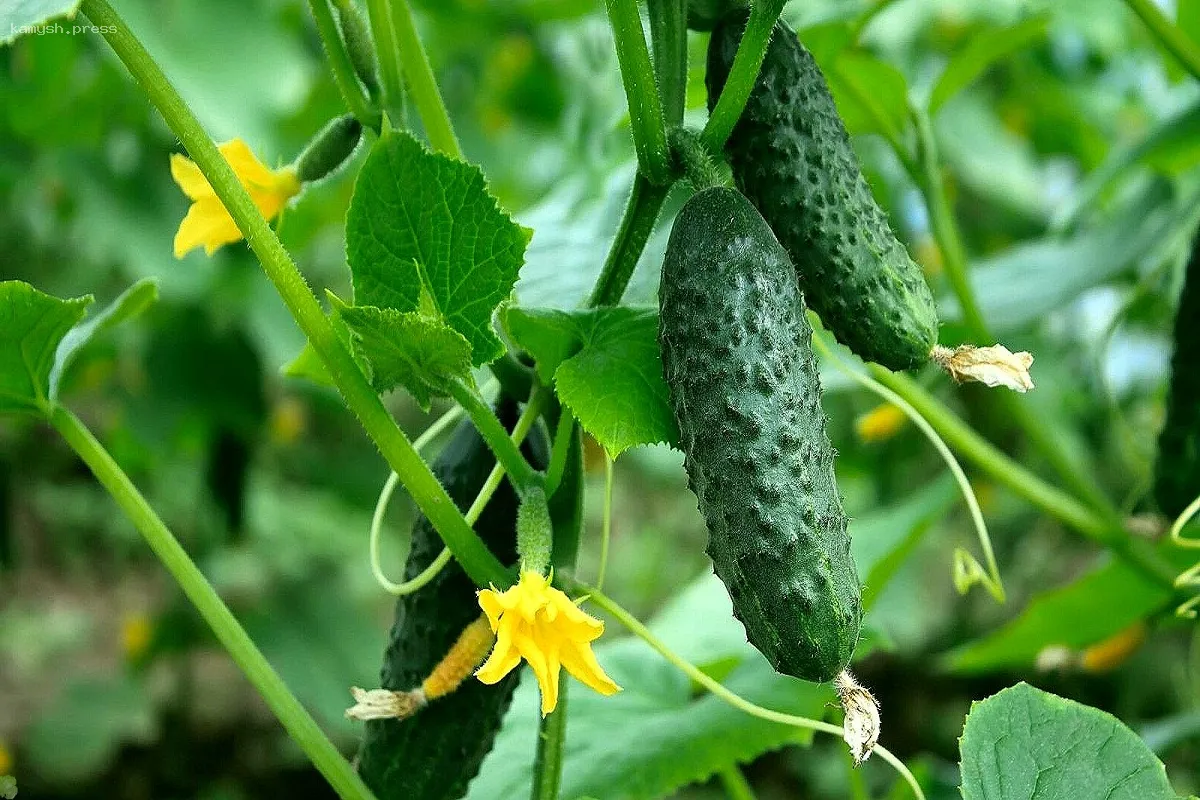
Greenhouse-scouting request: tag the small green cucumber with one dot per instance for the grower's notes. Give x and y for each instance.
(436, 753)
(743, 383)
(1177, 478)
(792, 157)
(329, 149)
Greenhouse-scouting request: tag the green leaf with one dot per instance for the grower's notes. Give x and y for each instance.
(985, 49)
(606, 367)
(90, 720)
(881, 539)
(132, 302)
(1172, 146)
(26, 17)
(422, 229)
(657, 734)
(1026, 744)
(308, 365)
(405, 348)
(32, 324)
(1025, 283)
(871, 95)
(1094, 607)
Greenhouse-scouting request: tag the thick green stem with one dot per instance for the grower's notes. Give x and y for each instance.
(641, 89)
(507, 452)
(742, 75)
(668, 34)
(954, 259)
(552, 734)
(563, 433)
(636, 226)
(391, 72)
(422, 83)
(1172, 38)
(1076, 516)
(339, 63)
(418, 479)
(299, 723)
(735, 784)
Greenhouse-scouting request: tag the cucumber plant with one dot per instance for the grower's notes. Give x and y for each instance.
(445, 286)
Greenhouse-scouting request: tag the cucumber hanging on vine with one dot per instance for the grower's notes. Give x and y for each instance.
(792, 157)
(743, 384)
(1177, 475)
(434, 754)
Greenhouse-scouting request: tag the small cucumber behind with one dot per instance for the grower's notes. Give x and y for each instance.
(792, 157)
(1177, 479)
(436, 753)
(738, 362)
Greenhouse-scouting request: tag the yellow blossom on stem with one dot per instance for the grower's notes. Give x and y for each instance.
(880, 423)
(207, 223)
(538, 623)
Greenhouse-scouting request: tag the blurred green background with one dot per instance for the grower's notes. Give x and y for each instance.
(1076, 209)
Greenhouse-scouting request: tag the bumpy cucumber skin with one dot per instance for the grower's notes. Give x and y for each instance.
(1177, 479)
(791, 155)
(329, 149)
(737, 358)
(435, 754)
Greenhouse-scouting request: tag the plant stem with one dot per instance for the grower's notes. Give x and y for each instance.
(547, 764)
(507, 452)
(606, 522)
(636, 226)
(422, 83)
(735, 783)
(698, 675)
(422, 485)
(645, 108)
(668, 34)
(339, 63)
(1020, 481)
(945, 231)
(563, 434)
(295, 719)
(391, 74)
(742, 75)
(1172, 38)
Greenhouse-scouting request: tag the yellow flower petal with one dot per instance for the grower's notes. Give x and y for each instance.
(538, 623)
(880, 423)
(208, 223)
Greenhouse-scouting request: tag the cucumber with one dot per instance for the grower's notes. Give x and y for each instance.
(436, 753)
(329, 149)
(1177, 475)
(791, 156)
(743, 383)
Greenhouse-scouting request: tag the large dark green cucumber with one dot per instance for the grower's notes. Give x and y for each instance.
(436, 753)
(1177, 479)
(791, 155)
(737, 358)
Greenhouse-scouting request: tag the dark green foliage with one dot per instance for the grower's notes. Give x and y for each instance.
(435, 754)
(703, 15)
(329, 149)
(1177, 482)
(737, 356)
(791, 155)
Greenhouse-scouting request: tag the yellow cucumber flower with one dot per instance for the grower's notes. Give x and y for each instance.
(207, 223)
(880, 423)
(536, 622)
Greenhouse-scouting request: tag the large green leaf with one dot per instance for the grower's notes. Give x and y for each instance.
(871, 95)
(1094, 607)
(1026, 744)
(32, 324)
(423, 231)
(132, 302)
(606, 366)
(405, 348)
(657, 734)
(30, 17)
(986, 48)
